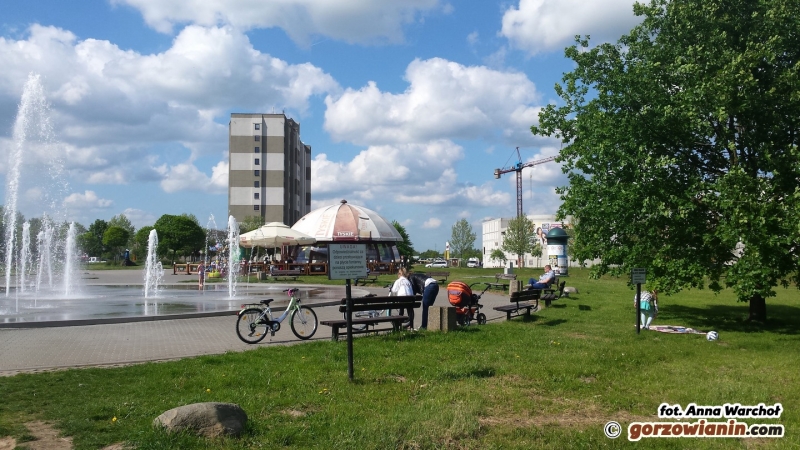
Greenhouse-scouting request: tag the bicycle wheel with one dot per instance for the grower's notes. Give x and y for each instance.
(304, 322)
(249, 328)
(359, 315)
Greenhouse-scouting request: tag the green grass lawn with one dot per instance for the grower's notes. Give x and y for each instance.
(552, 381)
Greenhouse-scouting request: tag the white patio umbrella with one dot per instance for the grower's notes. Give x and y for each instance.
(274, 234)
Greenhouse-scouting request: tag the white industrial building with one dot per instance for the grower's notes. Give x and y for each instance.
(494, 231)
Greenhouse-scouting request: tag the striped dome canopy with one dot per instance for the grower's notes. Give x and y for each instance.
(346, 222)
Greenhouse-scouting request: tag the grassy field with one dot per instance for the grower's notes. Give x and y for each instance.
(552, 382)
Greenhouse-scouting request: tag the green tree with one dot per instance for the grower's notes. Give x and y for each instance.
(519, 239)
(498, 255)
(681, 147)
(179, 235)
(462, 238)
(123, 222)
(91, 242)
(116, 238)
(430, 254)
(140, 242)
(251, 223)
(404, 248)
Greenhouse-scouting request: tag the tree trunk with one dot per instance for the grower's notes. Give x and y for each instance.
(758, 309)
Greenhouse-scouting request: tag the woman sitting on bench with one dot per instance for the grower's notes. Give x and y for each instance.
(547, 278)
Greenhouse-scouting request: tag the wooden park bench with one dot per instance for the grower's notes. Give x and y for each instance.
(548, 295)
(440, 277)
(498, 284)
(180, 269)
(370, 278)
(290, 273)
(379, 304)
(522, 302)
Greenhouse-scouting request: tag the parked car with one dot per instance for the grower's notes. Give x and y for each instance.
(437, 264)
(474, 262)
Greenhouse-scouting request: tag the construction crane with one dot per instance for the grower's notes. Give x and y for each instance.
(518, 168)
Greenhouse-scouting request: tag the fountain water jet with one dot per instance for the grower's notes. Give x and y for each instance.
(233, 255)
(33, 140)
(153, 271)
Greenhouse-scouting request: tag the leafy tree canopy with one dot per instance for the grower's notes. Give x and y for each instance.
(251, 223)
(681, 147)
(519, 238)
(141, 240)
(462, 238)
(498, 255)
(405, 248)
(122, 222)
(430, 254)
(91, 242)
(116, 238)
(179, 233)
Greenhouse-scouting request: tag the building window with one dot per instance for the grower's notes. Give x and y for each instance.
(255, 207)
(255, 184)
(258, 138)
(258, 161)
(255, 196)
(257, 172)
(257, 125)
(258, 149)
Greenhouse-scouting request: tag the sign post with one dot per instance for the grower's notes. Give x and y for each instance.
(347, 261)
(638, 277)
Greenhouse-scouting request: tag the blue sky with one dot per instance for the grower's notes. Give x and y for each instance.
(408, 105)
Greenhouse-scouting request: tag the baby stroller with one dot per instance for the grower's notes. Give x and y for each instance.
(466, 302)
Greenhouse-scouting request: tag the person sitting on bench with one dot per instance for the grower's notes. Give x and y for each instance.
(547, 278)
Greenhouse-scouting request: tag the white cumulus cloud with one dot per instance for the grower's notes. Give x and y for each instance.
(537, 26)
(433, 222)
(353, 21)
(444, 100)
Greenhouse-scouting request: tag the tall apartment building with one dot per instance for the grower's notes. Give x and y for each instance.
(269, 168)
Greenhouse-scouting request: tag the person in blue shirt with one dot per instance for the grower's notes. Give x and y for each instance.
(427, 287)
(544, 282)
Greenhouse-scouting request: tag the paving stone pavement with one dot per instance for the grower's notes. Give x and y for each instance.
(26, 350)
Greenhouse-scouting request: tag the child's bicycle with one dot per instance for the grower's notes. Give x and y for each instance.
(254, 321)
(466, 302)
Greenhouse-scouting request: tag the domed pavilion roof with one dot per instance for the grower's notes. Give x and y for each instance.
(346, 222)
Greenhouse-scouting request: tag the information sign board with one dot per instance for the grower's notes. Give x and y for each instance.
(638, 275)
(347, 261)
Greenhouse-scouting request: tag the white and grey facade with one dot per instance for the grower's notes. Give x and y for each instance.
(494, 231)
(269, 168)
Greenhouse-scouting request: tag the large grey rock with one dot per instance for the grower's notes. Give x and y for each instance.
(570, 290)
(209, 419)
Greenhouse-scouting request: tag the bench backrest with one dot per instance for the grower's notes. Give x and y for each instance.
(505, 276)
(381, 303)
(524, 296)
(437, 274)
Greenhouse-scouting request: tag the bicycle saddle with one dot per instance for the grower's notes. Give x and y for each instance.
(267, 301)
